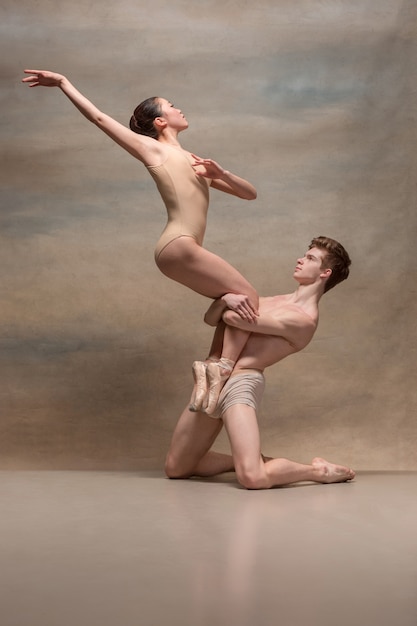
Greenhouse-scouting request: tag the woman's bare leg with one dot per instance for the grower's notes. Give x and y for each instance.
(227, 342)
(211, 375)
(216, 348)
(188, 263)
(234, 340)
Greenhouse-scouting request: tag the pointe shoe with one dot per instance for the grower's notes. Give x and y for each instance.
(200, 386)
(217, 374)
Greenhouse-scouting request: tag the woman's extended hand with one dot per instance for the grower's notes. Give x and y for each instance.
(241, 305)
(42, 78)
(211, 168)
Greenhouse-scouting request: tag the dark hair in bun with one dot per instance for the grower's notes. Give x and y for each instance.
(144, 115)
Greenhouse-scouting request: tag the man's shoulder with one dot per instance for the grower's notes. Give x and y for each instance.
(282, 306)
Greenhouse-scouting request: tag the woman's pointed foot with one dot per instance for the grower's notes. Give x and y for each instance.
(200, 386)
(217, 374)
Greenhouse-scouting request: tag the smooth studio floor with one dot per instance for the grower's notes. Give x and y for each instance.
(137, 549)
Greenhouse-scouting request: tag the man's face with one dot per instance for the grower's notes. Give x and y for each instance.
(309, 267)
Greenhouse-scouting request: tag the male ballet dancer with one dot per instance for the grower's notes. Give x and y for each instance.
(286, 324)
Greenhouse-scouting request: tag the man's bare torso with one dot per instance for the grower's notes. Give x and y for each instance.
(297, 327)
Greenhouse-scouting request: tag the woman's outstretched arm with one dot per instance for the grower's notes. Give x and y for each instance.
(141, 147)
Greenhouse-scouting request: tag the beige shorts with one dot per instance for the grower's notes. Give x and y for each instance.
(245, 388)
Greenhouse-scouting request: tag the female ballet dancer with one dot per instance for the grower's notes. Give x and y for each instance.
(183, 180)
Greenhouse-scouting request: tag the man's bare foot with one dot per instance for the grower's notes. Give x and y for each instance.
(331, 473)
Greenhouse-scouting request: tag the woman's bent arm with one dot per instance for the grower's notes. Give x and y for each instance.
(225, 181)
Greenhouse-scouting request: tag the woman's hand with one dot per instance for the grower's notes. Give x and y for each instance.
(241, 305)
(223, 180)
(43, 78)
(211, 168)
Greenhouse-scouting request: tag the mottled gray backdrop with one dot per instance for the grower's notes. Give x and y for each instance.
(315, 103)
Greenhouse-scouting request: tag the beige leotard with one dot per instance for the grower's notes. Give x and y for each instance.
(185, 195)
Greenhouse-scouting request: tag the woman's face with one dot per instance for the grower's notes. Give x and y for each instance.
(173, 116)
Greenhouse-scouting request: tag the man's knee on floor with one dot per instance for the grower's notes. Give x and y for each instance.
(251, 477)
(174, 468)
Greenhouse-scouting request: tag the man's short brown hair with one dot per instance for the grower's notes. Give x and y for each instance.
(336, 258)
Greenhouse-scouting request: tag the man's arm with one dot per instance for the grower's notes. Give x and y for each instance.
(237, 302)
(294, 326)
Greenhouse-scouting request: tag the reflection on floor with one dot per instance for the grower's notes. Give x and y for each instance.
(137, 549)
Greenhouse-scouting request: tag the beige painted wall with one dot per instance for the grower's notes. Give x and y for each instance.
(314, 102)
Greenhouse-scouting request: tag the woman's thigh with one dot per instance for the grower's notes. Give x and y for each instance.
(188, 263)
